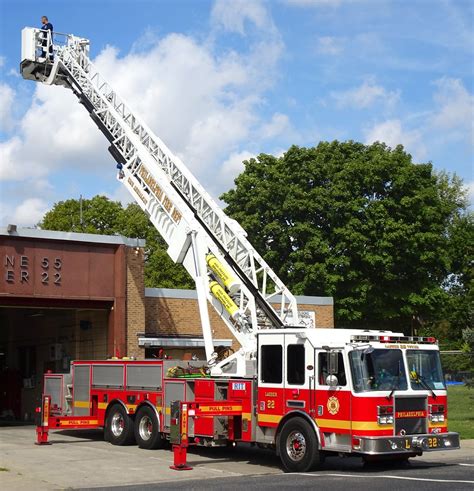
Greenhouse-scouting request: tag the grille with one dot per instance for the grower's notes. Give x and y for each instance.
(411, 415)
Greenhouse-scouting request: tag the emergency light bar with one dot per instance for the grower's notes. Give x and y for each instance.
(393, 339)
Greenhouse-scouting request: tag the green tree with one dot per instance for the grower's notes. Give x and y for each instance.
(103, 216)
(362, 223)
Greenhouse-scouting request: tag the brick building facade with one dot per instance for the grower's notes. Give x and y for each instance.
(67, 296)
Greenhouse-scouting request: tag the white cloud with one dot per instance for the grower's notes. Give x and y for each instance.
(203, 104)
(278, 125)
(233, 15)
(2, 61)
(455, 107)
(366, 95)
(470, 192)
(392, 133)
(7, 99)
(27, 213)
(232, 167)
(330, 45)
(314, 3)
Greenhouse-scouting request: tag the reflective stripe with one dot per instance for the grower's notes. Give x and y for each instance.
(269, 418)
(333, 423)
(369, 425)
(79, 422)
(355, 425)
(86, 404)
(441, 424)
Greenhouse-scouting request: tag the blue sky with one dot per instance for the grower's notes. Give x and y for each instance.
(221, 81)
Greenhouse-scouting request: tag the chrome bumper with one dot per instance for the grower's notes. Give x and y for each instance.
(410, 444)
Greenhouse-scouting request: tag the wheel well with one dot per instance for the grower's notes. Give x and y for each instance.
(292, 415)
(112, 404)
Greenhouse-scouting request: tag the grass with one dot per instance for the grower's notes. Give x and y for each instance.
(461, 410)
(4, 469)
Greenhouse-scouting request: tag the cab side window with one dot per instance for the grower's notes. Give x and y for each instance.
(323, 369)
(295, 364)
(271, 364)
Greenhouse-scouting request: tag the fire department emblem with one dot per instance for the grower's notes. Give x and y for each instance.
(333, 405)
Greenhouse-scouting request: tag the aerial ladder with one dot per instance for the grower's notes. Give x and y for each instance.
(228, 272)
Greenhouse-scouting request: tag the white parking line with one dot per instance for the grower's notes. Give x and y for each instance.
(405, 478)
(467, 465)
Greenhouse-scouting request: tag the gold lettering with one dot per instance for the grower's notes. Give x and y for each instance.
(24, 276)
(23, 261)
(176, 216)
(9, 261)
(167, 204)
(9, 276)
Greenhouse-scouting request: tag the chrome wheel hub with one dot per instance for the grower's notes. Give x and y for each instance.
(145, 428)
(117, 424)
(296, 446)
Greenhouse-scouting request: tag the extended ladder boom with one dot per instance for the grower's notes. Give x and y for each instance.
(213, 248)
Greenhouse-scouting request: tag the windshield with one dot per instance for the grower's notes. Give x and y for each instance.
(425, 369)
(377, 369)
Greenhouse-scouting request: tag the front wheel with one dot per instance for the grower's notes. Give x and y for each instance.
(119, 426)
(298, 446)
(147, 429)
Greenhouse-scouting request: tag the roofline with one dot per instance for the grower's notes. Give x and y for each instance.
(191, 294)
(36, 233)
(177, 342)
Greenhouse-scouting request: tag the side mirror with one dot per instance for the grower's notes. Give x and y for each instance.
(332, 381)
(333, 362)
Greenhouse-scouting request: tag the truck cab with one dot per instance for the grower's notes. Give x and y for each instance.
(373, 393)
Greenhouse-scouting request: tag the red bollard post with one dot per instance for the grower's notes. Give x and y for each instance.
(179, 459)
(180, 449)
(42, 429)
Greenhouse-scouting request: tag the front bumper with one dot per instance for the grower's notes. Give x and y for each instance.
(409, 444)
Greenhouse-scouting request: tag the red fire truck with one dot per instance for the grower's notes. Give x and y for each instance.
(313, 393)
(306, 392)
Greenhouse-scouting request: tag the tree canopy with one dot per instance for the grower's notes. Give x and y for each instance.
(390, 240)
(101, 215)
(362, 223)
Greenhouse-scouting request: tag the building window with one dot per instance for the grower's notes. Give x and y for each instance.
(271, 364)
(323, 369)
(295, 364)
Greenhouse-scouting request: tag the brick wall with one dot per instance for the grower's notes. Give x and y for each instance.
(324, 314)
(178, 316)
(135, 300)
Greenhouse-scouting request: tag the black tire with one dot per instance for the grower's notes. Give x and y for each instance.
(119, 426)
(298, 446)
(147, 433)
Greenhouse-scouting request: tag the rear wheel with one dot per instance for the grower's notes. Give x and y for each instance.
(119, 426)
(298, 446)
(147, 428)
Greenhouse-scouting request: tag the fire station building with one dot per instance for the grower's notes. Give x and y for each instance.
(66, 296)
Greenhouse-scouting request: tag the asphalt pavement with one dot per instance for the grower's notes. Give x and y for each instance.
(82, 460)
